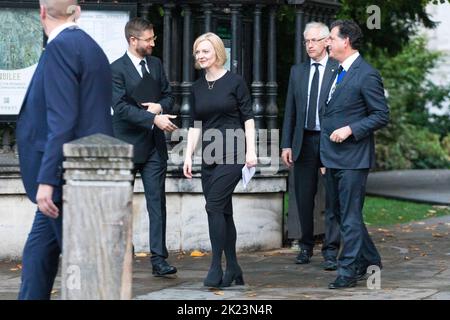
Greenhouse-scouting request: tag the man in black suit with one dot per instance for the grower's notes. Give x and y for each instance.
(142, 99)
(307, 93)
(356, 107)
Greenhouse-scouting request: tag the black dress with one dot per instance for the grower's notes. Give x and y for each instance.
(225, 107)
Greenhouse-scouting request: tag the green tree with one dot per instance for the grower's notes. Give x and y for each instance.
(399, 21)
(412, 139)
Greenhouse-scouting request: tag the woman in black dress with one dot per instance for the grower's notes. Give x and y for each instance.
(220, 100)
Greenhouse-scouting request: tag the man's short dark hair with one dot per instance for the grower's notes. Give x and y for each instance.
(136, 26)
(349, 29)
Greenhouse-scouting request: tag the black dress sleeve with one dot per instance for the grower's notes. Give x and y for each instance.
(244, 101)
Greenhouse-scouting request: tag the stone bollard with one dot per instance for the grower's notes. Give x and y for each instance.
(97, 219)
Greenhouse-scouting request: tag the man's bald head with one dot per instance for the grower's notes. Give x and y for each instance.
(60, 9)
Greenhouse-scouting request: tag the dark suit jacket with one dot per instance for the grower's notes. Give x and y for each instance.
(132, 123)
(297, 101)
(359, 102)
(69, 97)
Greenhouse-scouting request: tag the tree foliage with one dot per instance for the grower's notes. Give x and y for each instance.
(399, 21)
(414, 138)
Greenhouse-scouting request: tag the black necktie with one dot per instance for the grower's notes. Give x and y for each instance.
(143, 69)
(313, 95)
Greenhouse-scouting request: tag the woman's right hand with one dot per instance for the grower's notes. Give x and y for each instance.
(187, 167)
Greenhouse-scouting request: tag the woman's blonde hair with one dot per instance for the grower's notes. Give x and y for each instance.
(217, 43)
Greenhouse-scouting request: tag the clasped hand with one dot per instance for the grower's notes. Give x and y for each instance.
(153, 107)
(339, 135)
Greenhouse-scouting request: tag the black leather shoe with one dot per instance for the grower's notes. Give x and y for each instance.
(342, 282)
(214, 277)
(163, 269)
(361, 271)
(329, 265)
(303, 257)
(233, 274)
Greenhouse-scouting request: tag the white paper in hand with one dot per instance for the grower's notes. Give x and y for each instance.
(247, 174)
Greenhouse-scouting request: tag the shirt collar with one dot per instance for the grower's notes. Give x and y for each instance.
(136, 60)
(349, 61)
(322, 62)
(59, 29)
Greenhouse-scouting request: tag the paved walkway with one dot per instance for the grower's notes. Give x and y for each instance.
(430, 186)
(416, 260)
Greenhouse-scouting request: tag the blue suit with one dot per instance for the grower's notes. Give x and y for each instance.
(69, 97)
(358, 102)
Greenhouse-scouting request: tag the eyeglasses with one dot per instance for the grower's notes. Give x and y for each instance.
(148, 40)
(313, 41)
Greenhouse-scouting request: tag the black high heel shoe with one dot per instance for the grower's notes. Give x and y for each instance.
(231, 276)
(214, 278)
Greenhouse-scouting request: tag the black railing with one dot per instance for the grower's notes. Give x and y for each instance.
(249, 32)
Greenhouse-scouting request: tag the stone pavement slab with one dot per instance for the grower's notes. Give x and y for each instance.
(416, 266)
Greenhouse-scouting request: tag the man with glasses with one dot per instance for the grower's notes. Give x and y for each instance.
(142, 101)
(307, 93)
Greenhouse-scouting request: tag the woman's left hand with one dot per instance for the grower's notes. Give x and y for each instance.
(251, 160)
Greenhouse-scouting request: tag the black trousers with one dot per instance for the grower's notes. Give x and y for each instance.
(153, 174)
(346, 189)
(306, 171)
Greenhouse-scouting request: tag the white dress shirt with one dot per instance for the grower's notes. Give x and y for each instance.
(59, 29)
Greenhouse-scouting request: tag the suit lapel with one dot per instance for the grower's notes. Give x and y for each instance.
(151, 68)
(348, 76)
(131, 69)
(303, 79)
(330, 70)
(28, 90)
(39, 65)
